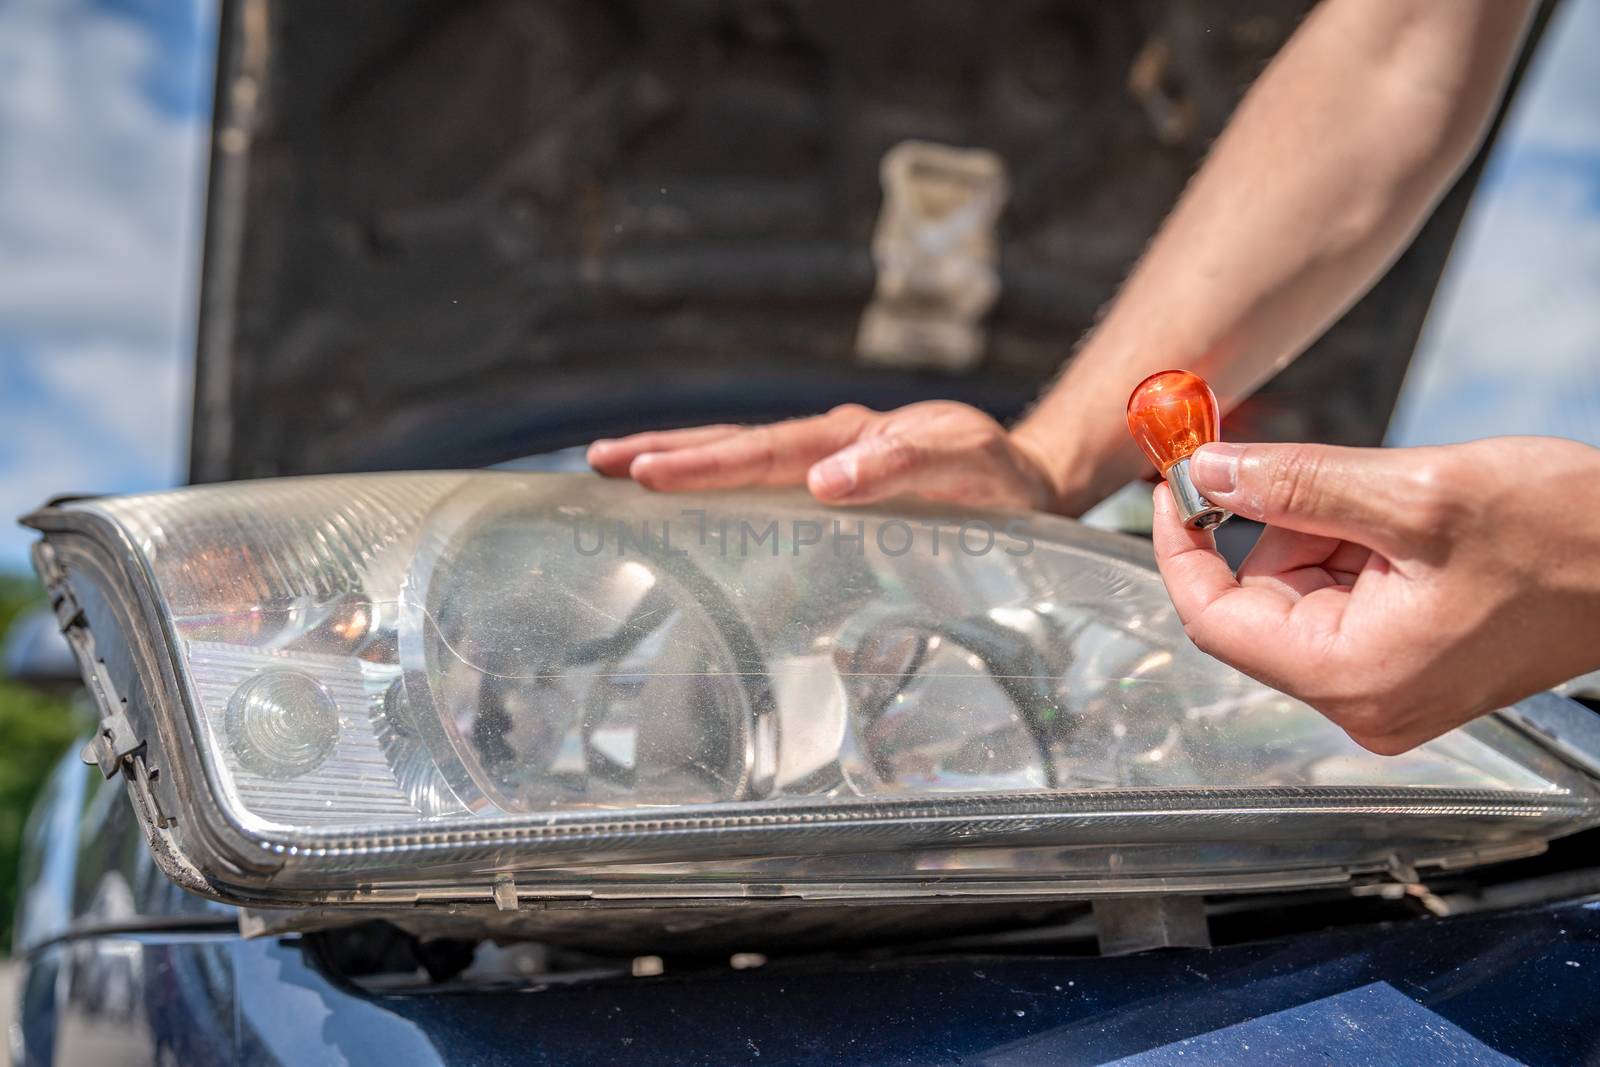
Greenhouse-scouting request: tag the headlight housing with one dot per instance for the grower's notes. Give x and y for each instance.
(495, 686)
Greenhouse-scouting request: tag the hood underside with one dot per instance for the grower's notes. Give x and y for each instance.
(448, 234)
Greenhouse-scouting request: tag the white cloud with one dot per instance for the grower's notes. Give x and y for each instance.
(99, 227)
(128, 395)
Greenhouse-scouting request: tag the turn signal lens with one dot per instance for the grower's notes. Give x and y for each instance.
(1172, 413)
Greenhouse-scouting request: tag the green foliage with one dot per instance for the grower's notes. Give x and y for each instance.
(18, 593)
(34, 729)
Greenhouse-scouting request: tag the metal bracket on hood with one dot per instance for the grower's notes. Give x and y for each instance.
(936, 250)
(1125, 925)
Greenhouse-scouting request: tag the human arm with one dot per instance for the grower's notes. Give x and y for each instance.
(1334, 159)
(1331, 163)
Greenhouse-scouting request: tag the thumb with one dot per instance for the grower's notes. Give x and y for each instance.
(1354, 494)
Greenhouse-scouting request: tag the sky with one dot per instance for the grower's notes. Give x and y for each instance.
(1512, 343)
(104, 106)
(104, 113)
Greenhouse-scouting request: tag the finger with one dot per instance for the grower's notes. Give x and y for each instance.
(872, 470)
(1259, 631)
(923, 464)
(1366, 495)
(1196, 576)
(1348, 562)
(1296, 564)
(612, 457)
(779, 454)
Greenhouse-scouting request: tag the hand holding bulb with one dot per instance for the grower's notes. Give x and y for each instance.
(1401, 592)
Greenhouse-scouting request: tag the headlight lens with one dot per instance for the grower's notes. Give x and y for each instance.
(420, 683)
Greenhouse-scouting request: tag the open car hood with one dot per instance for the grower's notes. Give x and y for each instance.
(445, 234)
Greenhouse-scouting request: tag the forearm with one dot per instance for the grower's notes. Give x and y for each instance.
(1332, 162)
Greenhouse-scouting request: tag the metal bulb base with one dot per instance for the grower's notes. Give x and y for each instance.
(1197, 512)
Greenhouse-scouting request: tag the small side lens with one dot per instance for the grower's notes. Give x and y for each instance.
(282, 724)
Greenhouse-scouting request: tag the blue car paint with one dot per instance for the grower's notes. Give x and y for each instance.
(1513, 987)
(176, 984)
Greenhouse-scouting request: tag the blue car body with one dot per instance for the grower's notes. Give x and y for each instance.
(121, 966)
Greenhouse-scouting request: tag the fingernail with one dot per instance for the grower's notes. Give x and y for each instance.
(1215, 468)
(834, 476)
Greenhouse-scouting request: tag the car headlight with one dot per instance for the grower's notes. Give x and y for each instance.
(501, 686)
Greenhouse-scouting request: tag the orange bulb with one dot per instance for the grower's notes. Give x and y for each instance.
(1172, 413)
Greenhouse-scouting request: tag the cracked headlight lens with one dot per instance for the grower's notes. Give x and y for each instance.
(417, 687)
